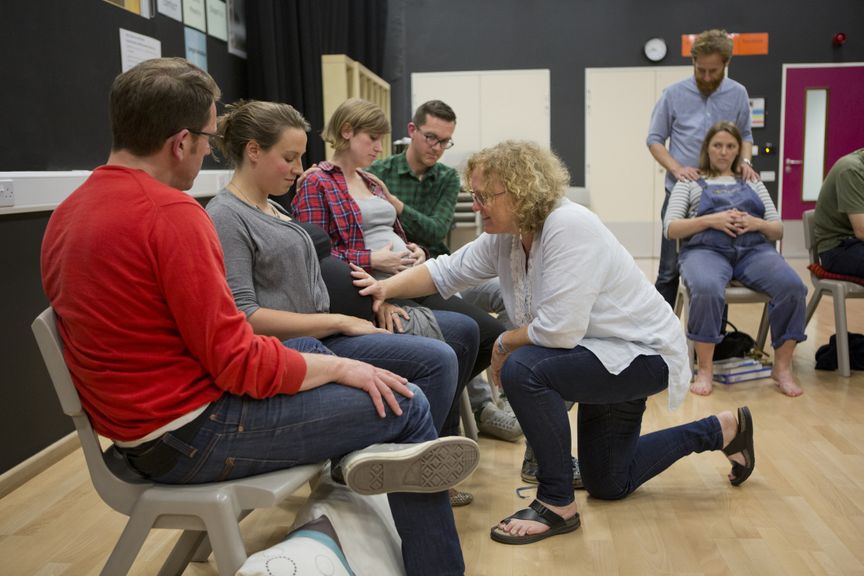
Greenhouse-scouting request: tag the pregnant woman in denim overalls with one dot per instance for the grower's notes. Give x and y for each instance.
(728, 227)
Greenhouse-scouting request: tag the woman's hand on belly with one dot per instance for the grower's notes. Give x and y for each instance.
(386, 260)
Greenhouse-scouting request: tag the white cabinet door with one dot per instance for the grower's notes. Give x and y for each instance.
(624, 181)
(490, 106)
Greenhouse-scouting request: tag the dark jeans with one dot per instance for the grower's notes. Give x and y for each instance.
(490, 328)
(848, 258)
(614, 459)
(243, 436)
(667, 270)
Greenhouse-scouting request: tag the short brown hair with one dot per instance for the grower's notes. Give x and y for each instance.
(360, 116)
(247, 120)
(705, 161)
(712, 42)
(158, 98)
(534, 176)
(435, 108)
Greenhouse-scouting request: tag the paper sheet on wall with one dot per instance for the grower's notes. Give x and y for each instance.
(136, 48)
(217, 26)
(195, 14)
(171, 8)
(196, 48)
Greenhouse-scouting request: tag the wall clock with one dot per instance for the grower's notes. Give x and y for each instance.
(655, 49)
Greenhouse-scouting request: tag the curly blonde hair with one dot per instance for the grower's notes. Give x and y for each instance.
(534, 176)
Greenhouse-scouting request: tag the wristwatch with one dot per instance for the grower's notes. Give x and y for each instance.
(747, 162)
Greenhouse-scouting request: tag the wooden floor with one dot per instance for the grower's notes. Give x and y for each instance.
(802, 511)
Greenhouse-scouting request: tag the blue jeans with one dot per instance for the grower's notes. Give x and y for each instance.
(614, 459)
(244, 436)
(707, 271)
(667, 269)
(440, 369)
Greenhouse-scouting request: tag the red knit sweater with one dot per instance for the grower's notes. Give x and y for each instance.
(135, 273)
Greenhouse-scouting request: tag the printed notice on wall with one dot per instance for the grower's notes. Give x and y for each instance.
(171, 8)
(196, 48)
(217, 26)
(136, 48)
(194, 14)
(757, 112)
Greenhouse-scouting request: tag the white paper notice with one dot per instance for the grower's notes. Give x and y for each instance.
(136, 48)
(194, 14)
(171, 8)
(217, 24)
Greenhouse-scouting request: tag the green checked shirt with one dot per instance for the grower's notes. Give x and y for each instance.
(429, 203)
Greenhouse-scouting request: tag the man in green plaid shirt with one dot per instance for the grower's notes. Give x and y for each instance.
(423, 190)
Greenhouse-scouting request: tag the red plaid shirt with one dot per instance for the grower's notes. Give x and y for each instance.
(323, 199)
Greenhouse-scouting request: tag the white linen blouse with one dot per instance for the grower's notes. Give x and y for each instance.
(582, 287)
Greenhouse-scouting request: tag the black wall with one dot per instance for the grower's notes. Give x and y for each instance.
(567, 36)
(57, 61)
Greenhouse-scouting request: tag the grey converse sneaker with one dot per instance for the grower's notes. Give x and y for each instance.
(431, 466)
(529, 469)
(492, 421)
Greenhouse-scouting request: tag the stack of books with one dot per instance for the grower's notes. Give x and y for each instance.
(734, 370)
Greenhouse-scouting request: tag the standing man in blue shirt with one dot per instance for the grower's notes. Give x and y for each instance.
(682, 116)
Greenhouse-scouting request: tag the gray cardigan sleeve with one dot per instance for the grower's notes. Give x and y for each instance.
(239, 251)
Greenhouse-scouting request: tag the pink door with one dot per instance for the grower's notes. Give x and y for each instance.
(843, 124)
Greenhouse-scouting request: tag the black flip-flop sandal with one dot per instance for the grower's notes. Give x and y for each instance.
(536, 512)
(743, 444)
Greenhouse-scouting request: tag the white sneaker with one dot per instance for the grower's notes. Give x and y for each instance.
(431, 466)
(493, 421)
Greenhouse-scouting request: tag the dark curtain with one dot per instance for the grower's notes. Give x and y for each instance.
(286, 38)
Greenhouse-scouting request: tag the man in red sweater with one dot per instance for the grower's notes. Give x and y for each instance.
(170, 370)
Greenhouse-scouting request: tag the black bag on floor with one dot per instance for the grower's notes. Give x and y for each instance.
(735, 344)
(826, 356)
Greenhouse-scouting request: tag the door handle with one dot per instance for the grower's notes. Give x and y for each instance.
(790, 162)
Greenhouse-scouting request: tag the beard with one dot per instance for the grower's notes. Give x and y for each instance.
(708, 88)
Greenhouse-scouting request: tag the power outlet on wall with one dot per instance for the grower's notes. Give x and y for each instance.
(7, 193)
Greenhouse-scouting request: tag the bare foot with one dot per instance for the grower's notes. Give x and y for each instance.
(702, 384)
(729, 425)
(517, 527)
(786, 382)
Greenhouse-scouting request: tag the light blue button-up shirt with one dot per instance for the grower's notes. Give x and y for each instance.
(683, 116)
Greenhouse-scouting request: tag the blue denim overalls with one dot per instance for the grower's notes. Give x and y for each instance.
(710, 259)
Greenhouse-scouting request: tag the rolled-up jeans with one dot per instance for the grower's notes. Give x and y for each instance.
(613, 458)
(243, 436)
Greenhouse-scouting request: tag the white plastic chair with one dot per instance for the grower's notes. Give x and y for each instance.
(839, 290)
(208, 514)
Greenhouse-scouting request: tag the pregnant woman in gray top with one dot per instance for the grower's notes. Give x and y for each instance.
(274, 272)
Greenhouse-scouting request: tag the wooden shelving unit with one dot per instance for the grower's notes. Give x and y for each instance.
(344, 78)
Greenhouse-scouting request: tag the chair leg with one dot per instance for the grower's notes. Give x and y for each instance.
(129, 544)
(842, 332)
(468, 422)
(762, 335)
(185, 551)
(811, 306)
(223, 530)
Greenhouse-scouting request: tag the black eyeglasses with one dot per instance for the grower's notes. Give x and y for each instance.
(433, 140)
(203, 133)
